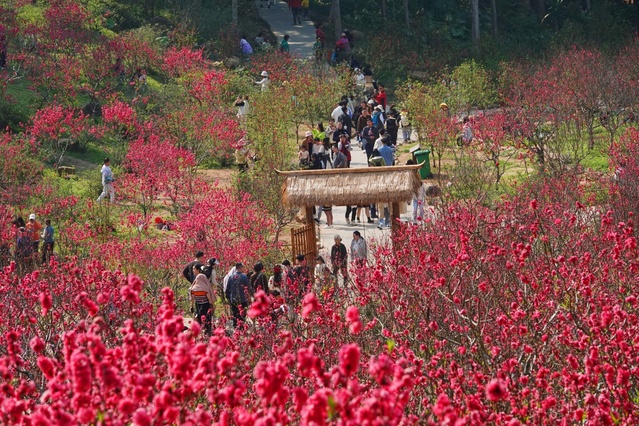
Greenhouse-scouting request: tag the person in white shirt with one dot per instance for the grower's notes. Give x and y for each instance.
(264, 81)
(337, 112)
(242, 105)
(378, 141)
(107, 181)
(359, 251)
(360, 80)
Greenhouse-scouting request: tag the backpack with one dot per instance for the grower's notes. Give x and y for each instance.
(376, 121)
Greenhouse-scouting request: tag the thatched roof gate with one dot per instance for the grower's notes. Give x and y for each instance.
(342, 187)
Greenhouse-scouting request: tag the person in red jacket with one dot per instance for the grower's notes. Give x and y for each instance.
(319, 33)
(296, 9)
(380, 97)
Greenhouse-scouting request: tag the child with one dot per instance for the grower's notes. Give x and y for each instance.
(328, 284)
(303, 156)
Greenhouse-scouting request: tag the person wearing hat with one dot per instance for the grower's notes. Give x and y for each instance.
(339, 258)
(379, 117)
(202, 297)
(34, 228)
(264, 81)
(284, 47)
(343, 43)
(308, 141)
(107, 181)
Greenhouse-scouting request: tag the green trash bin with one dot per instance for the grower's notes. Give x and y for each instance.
(422, 157)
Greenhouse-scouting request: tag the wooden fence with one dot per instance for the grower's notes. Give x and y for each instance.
(303, 242)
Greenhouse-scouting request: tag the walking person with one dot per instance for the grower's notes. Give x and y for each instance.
(359, 250)
(258, 280)
(369, 136)
(387, 152)
(48, 241)
(107, 181)
(246, 48)
(328, 211)
(284, 47)
(339, 259)
(238, 293)
(202, 298)
(296, 6)
(24, 247)
(319, 34)
(405, 125)
(351, 211)
(305, 6)
(34, 228)
(366, 210)
(392, 128)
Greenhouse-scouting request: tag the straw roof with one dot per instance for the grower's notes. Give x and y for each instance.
(342, 187)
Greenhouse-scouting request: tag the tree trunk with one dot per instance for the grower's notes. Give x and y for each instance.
(234, 11)
(474, 21)
(493, 7)
(336, 18)
(384, 15)
(406, 16)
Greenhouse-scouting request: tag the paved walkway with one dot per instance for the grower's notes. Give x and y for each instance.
(280, 18)
(302, 38)
(370, 232)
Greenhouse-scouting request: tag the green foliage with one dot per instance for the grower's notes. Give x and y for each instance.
(31, 14)
(17, 107)
(471, 87)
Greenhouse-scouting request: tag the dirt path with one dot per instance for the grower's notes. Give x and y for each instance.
(80, 165)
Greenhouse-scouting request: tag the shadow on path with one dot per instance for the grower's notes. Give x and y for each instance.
(280, 18)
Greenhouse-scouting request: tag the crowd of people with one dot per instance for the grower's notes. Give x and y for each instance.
(33, 242)
(284, 288)
(368, 121)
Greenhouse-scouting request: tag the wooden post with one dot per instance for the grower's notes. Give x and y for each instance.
(395, 215)
(310, 220)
